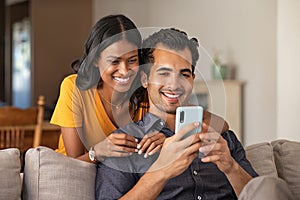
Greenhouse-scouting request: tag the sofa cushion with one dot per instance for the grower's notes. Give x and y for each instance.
(50, 175)
(261, 157)
(287, 159)
(10, 180)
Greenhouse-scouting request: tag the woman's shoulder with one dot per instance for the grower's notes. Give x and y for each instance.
(71, 77)
(69, 81)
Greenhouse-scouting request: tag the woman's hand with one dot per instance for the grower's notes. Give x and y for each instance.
(116, 145)
(151, 143)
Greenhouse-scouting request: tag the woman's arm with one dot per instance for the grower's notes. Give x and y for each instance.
(215, 121)
(115, 145)
(73, 145)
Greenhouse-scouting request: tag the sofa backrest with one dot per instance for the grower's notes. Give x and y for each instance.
(279, 158)
(10, 180)
(49, 175)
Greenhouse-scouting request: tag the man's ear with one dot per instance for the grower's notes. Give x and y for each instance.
(144, 79)
(194, 75)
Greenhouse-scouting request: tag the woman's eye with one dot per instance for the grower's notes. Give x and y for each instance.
(115, 62)
(132, 61)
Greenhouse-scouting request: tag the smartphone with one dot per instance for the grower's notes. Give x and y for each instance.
(186, 115)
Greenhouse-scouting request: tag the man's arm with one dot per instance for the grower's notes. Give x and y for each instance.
(216, 149)
(175, 157)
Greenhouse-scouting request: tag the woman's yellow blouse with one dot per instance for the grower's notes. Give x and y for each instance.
(83, 110)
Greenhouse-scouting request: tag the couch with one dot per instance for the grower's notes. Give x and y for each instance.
(49, 175)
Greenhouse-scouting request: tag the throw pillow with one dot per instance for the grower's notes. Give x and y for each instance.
(10, 179)
(50, 175)
(287, 158)
(261, 157)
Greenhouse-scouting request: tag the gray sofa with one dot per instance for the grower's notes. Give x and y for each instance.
(49, 175)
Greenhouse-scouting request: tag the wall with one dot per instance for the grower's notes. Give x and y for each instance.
(288, 51)
(2, 39)
(59, 30)
(245, 33)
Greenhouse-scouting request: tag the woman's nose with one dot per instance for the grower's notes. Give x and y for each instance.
(123, 68)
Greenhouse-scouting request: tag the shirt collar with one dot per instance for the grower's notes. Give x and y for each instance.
(150, 123)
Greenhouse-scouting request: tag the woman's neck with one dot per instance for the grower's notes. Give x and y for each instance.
(117, 107)
(114, 98)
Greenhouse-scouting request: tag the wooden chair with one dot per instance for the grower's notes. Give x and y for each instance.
(15, 121)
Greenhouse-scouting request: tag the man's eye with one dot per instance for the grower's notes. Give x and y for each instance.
(163, 74)
(185, 75)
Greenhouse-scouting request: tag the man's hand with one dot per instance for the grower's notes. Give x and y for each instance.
(215, 147)
(116, 145)
(177, 153)
(151, 143)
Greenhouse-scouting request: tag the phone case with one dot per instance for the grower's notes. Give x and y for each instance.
(186, 115)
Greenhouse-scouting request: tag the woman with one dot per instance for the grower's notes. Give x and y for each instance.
(98, 99)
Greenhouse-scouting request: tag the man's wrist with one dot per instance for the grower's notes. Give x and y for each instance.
(233, 169)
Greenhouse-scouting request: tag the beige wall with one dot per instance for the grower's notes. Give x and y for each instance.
(288, 95)
(59, 30)
(244, 31)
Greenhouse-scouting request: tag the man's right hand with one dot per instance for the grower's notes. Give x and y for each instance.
(177, 153)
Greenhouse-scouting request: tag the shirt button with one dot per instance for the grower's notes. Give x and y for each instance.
(195, 172)
(199, 197)
(162, 123)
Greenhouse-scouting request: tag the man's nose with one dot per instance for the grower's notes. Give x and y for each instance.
(173, 82)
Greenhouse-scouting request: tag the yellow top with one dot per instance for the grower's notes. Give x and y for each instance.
(83, 110)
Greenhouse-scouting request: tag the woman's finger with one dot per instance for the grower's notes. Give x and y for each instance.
(145, 146)
(154, 144)
(146, 137)
(155, 150)
(124, 149)
(123, 140)
(122, 136)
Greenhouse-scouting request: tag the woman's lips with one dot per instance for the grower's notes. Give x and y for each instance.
(122, 80)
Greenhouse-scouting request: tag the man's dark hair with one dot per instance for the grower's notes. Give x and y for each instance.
(171, 38)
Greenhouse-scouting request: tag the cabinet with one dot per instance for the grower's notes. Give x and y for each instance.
(224, 98)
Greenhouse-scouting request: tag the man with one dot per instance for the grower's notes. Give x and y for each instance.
(177, 172)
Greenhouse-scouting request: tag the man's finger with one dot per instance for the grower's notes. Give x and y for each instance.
(184, 130)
